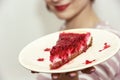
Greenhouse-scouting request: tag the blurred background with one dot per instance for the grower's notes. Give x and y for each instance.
(22, 21)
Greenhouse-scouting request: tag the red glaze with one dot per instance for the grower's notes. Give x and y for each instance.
(68, 43)
(88, 61)
(47, 49)
(106, 45)
(40, 59)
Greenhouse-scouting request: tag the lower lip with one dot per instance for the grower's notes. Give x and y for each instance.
(62, 7)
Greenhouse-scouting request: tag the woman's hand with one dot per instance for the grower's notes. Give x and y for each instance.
(71, 75)
(65, 76)
(88, 70)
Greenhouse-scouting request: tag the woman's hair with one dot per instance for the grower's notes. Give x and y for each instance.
(92, 0)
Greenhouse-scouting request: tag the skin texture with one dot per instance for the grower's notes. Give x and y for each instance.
(76, 14)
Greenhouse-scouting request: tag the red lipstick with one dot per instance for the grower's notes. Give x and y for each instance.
(61, 7)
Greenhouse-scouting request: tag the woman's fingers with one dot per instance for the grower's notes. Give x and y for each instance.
(63, 76)
(69, 75)
(88, 70)
(55, 76)
(72, 74)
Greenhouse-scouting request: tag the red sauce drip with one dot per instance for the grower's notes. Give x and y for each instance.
(47, 49)
(40, 59)
(88, 61)
(105, 47)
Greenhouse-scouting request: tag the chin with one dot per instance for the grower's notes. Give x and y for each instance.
(65, 17)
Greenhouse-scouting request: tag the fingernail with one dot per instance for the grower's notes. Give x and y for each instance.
(72, 74)
(92, 70)
(55, 77)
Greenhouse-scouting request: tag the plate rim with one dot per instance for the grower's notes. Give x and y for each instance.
(61, 71)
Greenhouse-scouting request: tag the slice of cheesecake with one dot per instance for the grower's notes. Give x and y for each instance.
(69, 46)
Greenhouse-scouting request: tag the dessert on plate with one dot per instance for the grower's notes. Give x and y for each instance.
(68, 46)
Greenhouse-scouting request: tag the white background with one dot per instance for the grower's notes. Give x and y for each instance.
(22, 21)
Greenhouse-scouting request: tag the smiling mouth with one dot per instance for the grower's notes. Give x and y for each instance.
(61, 7)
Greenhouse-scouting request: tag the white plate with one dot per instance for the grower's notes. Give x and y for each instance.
(30, 53)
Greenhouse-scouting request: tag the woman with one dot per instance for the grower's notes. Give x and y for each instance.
(79, 14)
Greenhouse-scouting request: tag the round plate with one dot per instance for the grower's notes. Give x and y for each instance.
(105, 44)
